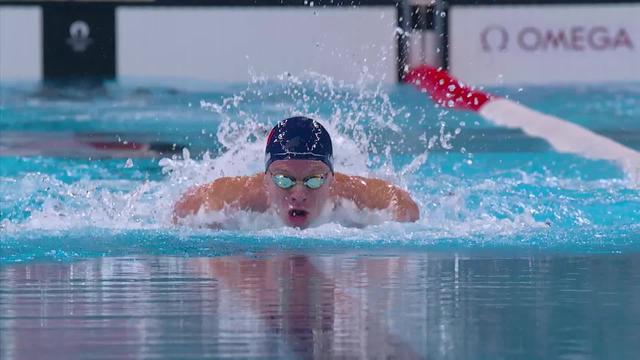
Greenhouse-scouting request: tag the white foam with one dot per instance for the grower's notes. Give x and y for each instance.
(130, 205)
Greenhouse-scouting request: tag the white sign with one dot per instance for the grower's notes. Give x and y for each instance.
(547, 44)
(229, 44)
(20, 43)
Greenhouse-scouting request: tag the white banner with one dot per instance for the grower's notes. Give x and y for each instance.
(20, 43)
(545, 44)
(228, 44)
(224, 44)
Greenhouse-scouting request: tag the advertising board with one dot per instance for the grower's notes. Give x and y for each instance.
(543, 44)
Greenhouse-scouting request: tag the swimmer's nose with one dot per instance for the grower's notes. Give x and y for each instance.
(298, 194)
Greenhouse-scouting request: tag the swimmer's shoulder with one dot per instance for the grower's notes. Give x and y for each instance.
(376, 194)
(347, 184)
(237, 183)
(349, 187)
(246, 192)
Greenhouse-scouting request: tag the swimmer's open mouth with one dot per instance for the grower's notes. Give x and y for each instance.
(298, 213)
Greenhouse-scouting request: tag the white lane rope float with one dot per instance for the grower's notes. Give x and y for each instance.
(564, 136)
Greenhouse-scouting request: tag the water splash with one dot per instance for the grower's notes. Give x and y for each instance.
(475, 199)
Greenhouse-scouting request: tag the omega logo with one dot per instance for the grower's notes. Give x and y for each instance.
(494, 37)
(575, 38)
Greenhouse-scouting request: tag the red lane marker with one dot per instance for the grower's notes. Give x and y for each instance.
(446, 90)
(110, 145)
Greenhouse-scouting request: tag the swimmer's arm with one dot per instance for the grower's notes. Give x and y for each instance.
(242, 192)
(377, 194)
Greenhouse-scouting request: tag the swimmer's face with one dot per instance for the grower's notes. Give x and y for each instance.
(299, 205)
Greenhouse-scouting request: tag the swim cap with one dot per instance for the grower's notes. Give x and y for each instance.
(299, 138)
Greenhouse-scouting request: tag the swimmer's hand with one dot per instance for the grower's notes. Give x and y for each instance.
(376, 194)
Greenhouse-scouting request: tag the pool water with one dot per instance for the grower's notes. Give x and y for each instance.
(520, 252)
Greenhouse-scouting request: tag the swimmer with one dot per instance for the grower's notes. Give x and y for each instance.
(299, 183)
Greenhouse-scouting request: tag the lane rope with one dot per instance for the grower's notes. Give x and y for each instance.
(564, 136)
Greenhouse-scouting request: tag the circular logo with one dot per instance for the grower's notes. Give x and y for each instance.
(79, 30)
(494, 37)
(79, 39)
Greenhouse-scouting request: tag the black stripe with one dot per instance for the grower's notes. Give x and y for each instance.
(445, 39)
(402, 58)
(301, 3)
(211, 3)
(89, 53)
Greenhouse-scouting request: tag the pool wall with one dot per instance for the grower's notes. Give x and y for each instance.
(482, 42)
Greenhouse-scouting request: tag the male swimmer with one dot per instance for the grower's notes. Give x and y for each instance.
(299, 183)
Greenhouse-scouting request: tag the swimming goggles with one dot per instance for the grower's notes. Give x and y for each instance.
(286, 182)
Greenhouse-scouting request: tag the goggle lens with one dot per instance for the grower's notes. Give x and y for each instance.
(314, 182)
(285, 182)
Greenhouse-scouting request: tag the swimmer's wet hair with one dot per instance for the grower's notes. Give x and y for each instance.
(299, 138)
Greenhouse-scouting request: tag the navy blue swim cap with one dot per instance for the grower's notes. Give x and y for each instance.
(299, 138)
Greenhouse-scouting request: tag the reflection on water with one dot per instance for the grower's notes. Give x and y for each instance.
(378, 305)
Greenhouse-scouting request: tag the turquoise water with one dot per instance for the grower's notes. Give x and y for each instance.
(521, 252)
